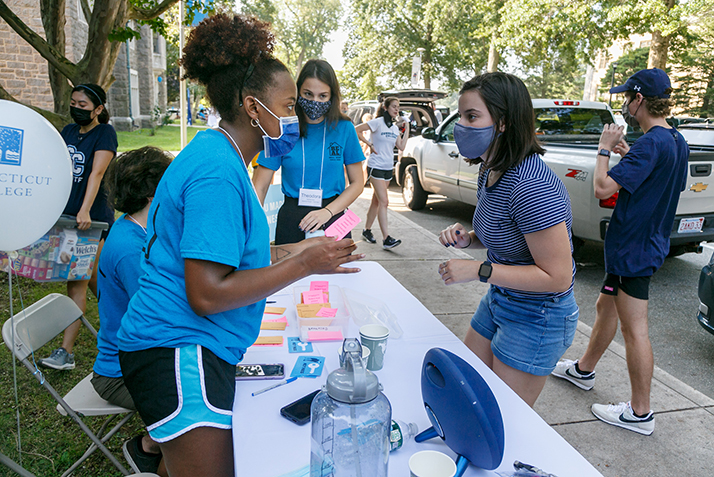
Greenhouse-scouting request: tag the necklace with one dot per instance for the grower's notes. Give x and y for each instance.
(242, 161)
(136, 222)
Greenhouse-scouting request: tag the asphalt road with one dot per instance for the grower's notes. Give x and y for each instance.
(680, 345)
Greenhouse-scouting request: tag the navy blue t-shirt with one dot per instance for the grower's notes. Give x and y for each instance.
(652, 175)
(81, 149)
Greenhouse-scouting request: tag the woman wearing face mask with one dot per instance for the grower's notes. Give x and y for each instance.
(384, 135)
(92, 144)
(207, 260)
(313, 173)
(527, 319)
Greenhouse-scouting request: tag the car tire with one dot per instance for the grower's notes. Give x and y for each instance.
(413, 193)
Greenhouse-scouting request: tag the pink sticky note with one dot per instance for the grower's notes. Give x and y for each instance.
(278, 320)
(343, 225)
(324, 336)
(313, 297)
(322, 286)
(327, 312)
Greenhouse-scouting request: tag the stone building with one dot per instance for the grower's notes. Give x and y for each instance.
(139, 87)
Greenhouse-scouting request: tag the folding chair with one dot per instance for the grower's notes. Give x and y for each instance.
(34, 328)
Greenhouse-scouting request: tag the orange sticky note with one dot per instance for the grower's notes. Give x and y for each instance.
(274, 310)
(269, 341)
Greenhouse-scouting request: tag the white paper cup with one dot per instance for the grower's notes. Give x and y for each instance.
(375, 338)
(430, 463)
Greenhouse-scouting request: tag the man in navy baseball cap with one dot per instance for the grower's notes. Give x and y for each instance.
(649, 83)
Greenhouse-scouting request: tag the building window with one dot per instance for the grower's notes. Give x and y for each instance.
(135, 111)
(157, 43)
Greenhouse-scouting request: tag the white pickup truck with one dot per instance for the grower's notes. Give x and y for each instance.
(569, 130)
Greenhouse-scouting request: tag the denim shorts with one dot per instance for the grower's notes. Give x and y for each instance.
(527, 334)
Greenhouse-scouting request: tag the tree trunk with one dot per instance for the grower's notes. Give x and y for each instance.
(704, 111)
(426, 69)
(660, 45)
(101, 54)
(53, 20)
(493, 55)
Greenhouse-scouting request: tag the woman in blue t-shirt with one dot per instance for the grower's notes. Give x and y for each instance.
(527, 319)
(92, 144)
(207, 258)
(313, 173)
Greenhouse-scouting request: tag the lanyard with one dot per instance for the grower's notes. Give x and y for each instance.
(322, 162)
(242, 161)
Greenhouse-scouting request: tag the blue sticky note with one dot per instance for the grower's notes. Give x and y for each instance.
(297, 346)
(308, 367)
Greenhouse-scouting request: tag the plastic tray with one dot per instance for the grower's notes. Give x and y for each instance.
(337, 300)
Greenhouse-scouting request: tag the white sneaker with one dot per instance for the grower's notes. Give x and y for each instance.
(565, 369)
(622, 415)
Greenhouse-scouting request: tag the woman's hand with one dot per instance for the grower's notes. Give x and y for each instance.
(459, 271)
(83, 220)
(328, 256)
(315, 219)
(455, 236)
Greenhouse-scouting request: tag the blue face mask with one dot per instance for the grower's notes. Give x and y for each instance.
(314, 109)
(473, 142)
(289, 135)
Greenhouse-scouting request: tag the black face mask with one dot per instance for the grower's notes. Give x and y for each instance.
(387, 118)
(83, 117)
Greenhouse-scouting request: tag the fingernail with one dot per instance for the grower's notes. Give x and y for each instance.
(458, 232)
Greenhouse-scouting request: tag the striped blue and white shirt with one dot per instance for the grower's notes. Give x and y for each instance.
(527, 198)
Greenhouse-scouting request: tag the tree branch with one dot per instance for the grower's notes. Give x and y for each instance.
(49, 53)
(138, 13)
(86, 10)
(57, 120)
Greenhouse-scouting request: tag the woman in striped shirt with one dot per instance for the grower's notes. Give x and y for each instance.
(527, 319)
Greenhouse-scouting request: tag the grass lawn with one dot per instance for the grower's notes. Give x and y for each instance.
(165, 137)
(50, 441)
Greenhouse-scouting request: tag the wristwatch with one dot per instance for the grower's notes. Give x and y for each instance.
(603, 152)
(484, 271)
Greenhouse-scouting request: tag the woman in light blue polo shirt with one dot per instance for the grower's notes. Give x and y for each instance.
(207, 261)
(313, 173)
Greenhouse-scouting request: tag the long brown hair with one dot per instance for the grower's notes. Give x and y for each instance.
(383, 107)
(510, 106)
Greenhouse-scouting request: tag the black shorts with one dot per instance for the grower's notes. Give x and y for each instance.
(176, 390)
(287, 229)
(636, 287)
(380, 174)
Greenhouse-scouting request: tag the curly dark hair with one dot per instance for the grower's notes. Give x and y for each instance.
(219, 54)
(657, 107)
(133, 177)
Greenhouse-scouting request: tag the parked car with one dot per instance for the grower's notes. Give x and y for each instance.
(706, 296)
(570, 131)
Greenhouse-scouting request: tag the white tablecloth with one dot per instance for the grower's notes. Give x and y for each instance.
(267, 445)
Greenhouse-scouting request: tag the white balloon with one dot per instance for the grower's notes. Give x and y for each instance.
(35, 176)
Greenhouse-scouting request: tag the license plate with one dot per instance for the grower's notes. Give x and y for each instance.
(687, 226)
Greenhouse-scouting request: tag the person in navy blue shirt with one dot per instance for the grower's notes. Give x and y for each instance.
(327, 148)
(527, 320)
(92, 144)
(648, 180)
(132, 180)
(207, 259)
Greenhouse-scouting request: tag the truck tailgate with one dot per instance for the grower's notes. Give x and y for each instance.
(698, 197)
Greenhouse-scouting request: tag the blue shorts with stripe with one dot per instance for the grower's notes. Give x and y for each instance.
(177, 390)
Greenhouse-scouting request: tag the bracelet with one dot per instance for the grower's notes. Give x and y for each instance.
(331, 214)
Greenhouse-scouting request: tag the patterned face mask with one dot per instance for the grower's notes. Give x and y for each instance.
(314, 109)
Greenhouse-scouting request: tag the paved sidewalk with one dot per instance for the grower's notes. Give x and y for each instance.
(681, 442)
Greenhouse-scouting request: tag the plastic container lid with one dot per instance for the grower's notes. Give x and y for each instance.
(353, 384)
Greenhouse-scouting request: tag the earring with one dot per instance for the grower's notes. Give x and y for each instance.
(254, 122)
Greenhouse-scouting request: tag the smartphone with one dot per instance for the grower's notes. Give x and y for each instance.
(260, 371)
(299, 411)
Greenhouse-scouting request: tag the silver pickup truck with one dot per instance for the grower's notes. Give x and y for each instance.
(569, 130)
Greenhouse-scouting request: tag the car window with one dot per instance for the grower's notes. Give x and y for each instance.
(447, 131)
(563, 123)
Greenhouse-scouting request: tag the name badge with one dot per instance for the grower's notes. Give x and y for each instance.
(310, 198)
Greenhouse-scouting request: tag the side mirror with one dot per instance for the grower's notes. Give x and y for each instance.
(429, 133)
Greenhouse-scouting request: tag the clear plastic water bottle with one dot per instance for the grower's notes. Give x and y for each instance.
(401, 432)
(351, 422)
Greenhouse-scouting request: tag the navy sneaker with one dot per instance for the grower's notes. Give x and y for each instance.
(390, 242)
(367, 234)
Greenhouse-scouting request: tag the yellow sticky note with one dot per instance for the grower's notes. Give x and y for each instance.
(310, 311)
(274, 310)
(269, 341)
(273, 325)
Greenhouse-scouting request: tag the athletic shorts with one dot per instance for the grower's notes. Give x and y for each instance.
(527, 334)
(380, 174)
(177, 390)
(636, 287)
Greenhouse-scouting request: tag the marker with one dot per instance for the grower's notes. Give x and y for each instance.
(276, 385)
